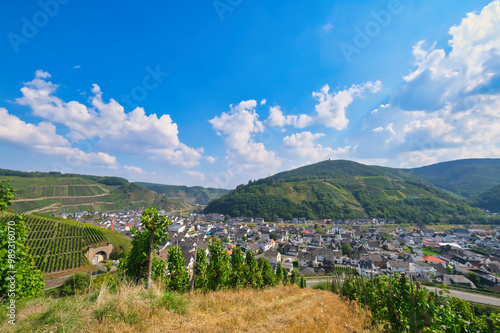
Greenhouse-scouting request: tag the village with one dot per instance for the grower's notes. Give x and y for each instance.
(462, 257)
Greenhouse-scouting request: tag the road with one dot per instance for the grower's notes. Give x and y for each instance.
(467, 296)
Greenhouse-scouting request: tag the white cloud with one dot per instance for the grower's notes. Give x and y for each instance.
(195, 174)
(448, 107)
(210, 159)
(42, 138)
(134, 169)
(240, 125)
(41, 74)
(263, 102)
(303, 146)
(328, 26)
(77, 66)
(330, 110)
(132, 133)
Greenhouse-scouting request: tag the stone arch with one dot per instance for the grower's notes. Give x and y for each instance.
(100, 253)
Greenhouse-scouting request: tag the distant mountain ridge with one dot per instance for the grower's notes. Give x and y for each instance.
(193, 195)
(466, 177)
(345, 189)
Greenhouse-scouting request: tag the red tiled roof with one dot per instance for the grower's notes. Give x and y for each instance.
(432, 259)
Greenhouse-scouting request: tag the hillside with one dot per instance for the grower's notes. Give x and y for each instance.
(463, 177)
(132, 309)
(193, 195)
(489, 199)
(54, 193)
(344, 189)
(59, 244)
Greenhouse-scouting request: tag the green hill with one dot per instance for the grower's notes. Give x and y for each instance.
(466, 178)
(345, 189)
(193, 195)
(489, 199)
(53, 193)
(59, 245)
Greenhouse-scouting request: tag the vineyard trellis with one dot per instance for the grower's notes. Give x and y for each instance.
(59, 245)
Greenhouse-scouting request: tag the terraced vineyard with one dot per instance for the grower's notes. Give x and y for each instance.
(59, 245)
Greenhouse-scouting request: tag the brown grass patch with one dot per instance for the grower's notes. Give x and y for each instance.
(288, 309)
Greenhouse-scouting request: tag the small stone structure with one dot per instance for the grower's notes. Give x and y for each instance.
(98, 254)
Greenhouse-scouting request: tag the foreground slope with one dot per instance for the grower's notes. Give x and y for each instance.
(54, 193)
(466, 177)
(132, 309)
(344, 189)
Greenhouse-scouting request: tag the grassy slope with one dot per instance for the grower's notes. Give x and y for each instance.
(132, 309)
(77, 193)
(193, 195)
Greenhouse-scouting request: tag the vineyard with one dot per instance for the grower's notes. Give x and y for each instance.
(59, 245)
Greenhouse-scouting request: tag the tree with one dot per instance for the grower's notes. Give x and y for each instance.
(6, 195)
(140, 262)
(285, 276)
(17, 265)
(294, 278)
(179, 278)
(268, 275)
(279, 272)
(473, 277)
(274, 237)
(253, 274)
(18, 276)
(449, 269)
(78, 283)
(237, 277)
(303, 283)
(219, 267)
(200, 270)
(346, 249)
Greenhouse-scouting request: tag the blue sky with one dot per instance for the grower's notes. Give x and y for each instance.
(221, 92)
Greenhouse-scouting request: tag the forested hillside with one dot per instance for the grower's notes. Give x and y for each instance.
(345, 189)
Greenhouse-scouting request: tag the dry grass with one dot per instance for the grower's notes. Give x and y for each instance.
(133, 309)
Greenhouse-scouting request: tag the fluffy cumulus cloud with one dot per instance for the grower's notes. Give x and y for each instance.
(195, 174)
(330, 110)
(448, 107)
(240, 126)
(303, 146)
(43, 139)
(134, 169)
(133, 133)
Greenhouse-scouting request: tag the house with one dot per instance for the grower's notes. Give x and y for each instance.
(366, 268)
(306, 271)
(290, 250)
(307, 259)
(458, 280)
(273, 256)
(397, 266)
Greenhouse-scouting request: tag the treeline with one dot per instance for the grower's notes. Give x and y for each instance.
(106, 180)
(489, 199)
(398, 305)
(215, 272)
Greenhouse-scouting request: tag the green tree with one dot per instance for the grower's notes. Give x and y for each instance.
(279, 272)
(473, 277)
(274, 237)
(268, 274)
(140, 262)
(200, 270)
(237, 276)
(219, 266)
(346, 249)
(18, 276)
(303, 283)
(253, 274)
(6, 194)
(179, 278)
(285, 276)
(294, 278)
